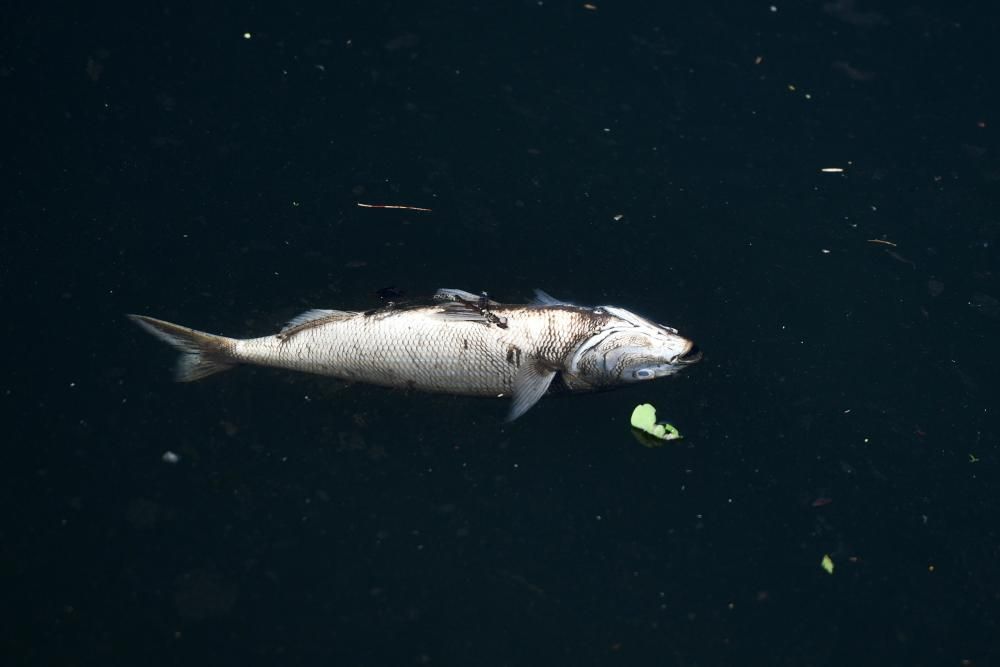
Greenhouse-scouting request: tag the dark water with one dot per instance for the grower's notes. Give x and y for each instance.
(158, 161)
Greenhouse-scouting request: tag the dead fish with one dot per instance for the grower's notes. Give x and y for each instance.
(460, 343)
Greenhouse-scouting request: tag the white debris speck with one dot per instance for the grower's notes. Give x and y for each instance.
(825, 251)
(247, 35)
(832, 170)
(170, 457)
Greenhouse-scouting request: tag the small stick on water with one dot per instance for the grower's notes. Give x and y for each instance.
(396, 206)
(884, 242)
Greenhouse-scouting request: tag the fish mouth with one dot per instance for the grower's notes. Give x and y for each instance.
(691, 356)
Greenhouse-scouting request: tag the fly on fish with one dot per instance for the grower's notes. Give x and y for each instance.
(460, 343)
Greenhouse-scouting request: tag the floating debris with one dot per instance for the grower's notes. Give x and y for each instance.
(401, 207)
(827, 563)
(644, 419)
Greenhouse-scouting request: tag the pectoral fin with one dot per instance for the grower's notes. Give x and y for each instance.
(530, 384)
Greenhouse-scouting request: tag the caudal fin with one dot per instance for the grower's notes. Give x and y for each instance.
(202, 354)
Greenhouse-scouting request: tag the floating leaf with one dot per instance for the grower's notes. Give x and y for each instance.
(827, 563)
(644, 419)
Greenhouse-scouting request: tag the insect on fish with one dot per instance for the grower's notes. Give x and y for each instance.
(461, 343)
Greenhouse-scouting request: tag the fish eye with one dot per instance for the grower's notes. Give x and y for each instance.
(644, 374)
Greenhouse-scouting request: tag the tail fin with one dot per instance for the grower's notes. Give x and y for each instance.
(202, 354)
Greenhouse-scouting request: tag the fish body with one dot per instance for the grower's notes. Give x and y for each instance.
(460, 344)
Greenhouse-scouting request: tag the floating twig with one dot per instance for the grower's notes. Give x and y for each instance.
(401, 207)
(882, 241)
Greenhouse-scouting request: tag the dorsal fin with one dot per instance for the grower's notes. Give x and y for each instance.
(312, 318)
(462, 306)
(314, 315)
(546, 299)
(447, 294)
(460, 311)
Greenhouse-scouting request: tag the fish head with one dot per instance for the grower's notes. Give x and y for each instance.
(628, 348)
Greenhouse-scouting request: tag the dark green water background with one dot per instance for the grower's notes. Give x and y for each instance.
(158, 161)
